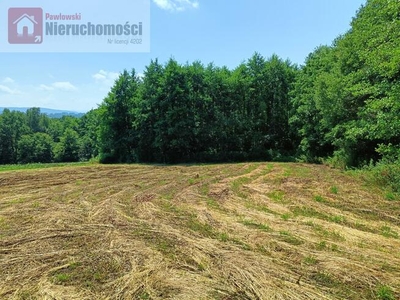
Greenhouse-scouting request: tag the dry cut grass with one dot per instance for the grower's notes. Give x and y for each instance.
(232, 231)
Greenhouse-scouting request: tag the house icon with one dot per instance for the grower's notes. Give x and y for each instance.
(25, 25)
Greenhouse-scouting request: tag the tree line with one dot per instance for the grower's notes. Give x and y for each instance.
(343, 104)
(33, 137)
(185, 113)
(346, 97)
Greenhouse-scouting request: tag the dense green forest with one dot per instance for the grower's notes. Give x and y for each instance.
(34, 137)
(342, 106)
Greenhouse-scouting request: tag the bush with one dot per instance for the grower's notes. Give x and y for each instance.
(339, 160)
(387, 174)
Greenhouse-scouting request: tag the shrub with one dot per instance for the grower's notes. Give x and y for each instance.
(388, 174)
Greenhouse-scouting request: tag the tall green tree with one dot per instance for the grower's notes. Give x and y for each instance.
(279, 78)
(89, 135)
(175, 128)
(148, 113)
(67, 150)
(116, 128)
(36, 120)
(35, 148)
(307, 117)
(12, 127)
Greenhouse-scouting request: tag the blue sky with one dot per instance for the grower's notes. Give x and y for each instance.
(219, 31)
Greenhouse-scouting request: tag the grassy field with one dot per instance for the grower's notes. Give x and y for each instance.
(229, 231)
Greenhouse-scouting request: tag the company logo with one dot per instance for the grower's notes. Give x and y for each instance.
(75, 26)
(25, 25)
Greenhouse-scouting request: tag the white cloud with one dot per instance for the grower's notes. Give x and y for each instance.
(7, 90)
(44, 87)
(176, 5)
(61, 86)
(164, 4)
(64, 86)
(105, 78)
(99, 76)
(8, 80)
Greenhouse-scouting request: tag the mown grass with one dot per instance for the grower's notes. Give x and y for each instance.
(235, 231)
(256, 225)
(5, 168)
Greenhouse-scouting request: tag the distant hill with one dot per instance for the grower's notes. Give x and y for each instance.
(52, 113)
